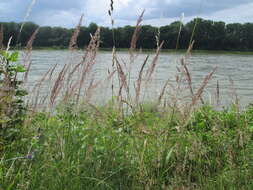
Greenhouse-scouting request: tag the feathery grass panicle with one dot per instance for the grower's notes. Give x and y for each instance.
(73, 40)
(187, 76)
(133, 43)
(122, 79)
(139, 81)
(58, 84)
(136, 33)
(28, 53)
(89, 60)
(151, 69)
(29, 44)
(200, 91)
(163, 91)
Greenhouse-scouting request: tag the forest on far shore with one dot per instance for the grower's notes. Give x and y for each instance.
(208, 35)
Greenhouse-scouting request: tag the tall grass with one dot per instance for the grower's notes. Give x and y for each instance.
(97, 148)
(175, 141)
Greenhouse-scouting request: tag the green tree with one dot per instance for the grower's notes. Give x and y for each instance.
(147, 37)
(43, 37)
(233, 40)
(106, 37)
(27, 32)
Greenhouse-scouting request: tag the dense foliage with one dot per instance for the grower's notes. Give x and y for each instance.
(209, 35)
(100, 149)
(12, 108)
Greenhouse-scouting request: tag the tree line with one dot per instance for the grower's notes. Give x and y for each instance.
(207, 34)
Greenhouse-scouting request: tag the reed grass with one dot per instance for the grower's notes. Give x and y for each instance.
(175, 141)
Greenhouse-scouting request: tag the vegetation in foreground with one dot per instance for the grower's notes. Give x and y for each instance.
(149, 149)
(125, 144)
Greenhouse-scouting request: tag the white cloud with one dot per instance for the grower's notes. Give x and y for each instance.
(158, 12)
(122, 3)
(58, 18)
(242, 13)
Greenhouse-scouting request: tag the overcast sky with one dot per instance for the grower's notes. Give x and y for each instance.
(66, 13)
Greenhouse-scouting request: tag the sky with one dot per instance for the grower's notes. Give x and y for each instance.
(66, 13)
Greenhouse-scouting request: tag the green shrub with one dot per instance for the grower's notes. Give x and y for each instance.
(12, 108)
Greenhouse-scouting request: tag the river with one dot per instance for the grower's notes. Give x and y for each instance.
(238, 67)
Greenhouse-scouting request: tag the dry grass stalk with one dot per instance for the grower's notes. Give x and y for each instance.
(73, 40)
(136, 33)
(157, 37)
(93, 85)
(151, 69)
(189, 50)
(71, 73)
(217, 93)
(110, 75)
(113, 68)
(36, 89)
(122, 79)
(200, 91)
(57, 85)
(72, 47)
(234, 93)
(70, 76)
(133, 43)
(127, 103)
(52, 72)
(72, 86)
(85, 65)
(28, 53)
(89, 59)
(31, 40)
(139, 81)
(110, 79)
(188, 76)
(163, 91)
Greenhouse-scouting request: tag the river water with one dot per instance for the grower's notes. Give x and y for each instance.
(234, 75)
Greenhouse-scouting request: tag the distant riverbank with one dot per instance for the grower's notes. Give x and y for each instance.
(151, 50)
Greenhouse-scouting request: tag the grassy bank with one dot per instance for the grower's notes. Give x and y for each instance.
(148, 149)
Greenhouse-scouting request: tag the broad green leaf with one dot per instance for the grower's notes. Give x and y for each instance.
(20, 68)
(21, 93)
(13, 57)
(5, 54)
